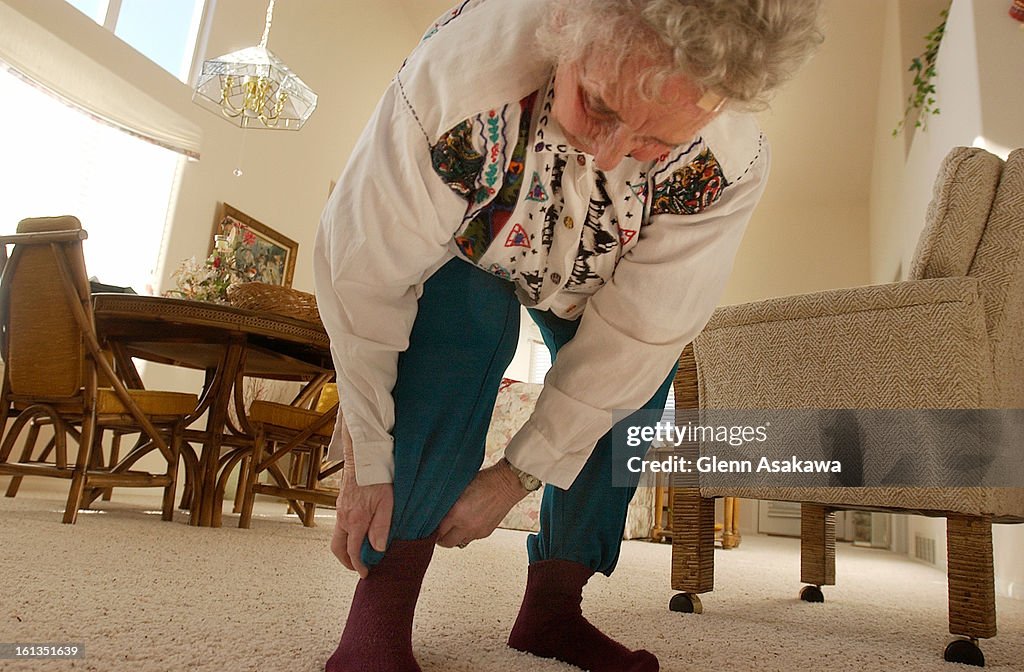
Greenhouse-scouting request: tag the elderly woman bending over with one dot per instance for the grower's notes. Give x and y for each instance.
(595, 161)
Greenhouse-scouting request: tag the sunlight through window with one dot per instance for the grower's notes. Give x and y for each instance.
(62, 162)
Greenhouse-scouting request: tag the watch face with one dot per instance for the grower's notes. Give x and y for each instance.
(529, 482)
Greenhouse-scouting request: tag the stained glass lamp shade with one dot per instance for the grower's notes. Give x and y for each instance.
(253, 88)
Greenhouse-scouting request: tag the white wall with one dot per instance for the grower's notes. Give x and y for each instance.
(902, 181)
(795, 247)
(810, 230)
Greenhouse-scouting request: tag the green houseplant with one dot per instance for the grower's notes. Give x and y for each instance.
(922, 100)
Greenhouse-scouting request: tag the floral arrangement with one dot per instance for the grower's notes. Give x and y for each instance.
(210, 280)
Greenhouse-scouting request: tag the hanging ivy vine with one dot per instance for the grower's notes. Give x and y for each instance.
(922, 98)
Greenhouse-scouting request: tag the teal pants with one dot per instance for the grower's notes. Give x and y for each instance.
(464, 336)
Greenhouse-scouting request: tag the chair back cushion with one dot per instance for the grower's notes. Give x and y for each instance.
(45, 348)
(962, 198)
(999, 268)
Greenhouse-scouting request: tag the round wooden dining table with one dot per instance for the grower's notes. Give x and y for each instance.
(228, 344)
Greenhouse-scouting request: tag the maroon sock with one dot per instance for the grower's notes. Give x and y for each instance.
(378, 631)
(551, 623)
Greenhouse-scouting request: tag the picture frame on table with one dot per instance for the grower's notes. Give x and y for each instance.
(261, 253)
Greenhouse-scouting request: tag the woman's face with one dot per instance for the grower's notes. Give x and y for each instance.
(603, 114)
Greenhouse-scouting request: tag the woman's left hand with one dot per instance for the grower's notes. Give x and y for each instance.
(484, 503)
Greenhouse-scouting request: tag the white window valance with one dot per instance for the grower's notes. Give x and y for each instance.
(55, 47)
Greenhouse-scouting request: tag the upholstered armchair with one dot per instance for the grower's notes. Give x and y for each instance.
(949, 337)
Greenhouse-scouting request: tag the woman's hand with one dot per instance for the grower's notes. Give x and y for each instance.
(483, 504)
(362, 511)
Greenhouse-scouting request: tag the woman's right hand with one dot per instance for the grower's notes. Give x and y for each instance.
(362, 511)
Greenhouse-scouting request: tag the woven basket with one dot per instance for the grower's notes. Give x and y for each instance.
(263, 298)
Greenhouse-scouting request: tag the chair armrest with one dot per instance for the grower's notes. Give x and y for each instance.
(846, 301)
(914, 344)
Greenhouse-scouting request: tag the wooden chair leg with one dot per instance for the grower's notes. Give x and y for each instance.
(186, 490)
(658, 531)
(298, 463)
(96, 465)
(817, 545)
(316, 459)
(26, 455)
(730, 523)
(972, 595)
(167, 512)
(236, 507)
(693, 541)
(115, 454)
(13, 486)
(77, 490)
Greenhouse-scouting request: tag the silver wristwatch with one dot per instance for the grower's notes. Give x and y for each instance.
(528, 481)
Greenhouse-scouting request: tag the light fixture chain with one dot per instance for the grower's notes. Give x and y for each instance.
(266, 26)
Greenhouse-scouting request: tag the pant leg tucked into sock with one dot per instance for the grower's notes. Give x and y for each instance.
(551, 623)
(378, 632)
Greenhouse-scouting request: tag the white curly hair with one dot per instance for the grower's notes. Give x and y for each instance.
(742, 50)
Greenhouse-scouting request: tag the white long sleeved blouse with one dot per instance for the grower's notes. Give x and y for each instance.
(463, 159)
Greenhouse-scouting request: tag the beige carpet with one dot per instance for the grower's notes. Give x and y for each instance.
(152, 596)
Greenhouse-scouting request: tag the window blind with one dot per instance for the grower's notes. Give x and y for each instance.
(53, 46)
(540, 361)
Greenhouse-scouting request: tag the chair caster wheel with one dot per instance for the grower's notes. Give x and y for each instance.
(964, 651)
(686, 603)
(812, 594)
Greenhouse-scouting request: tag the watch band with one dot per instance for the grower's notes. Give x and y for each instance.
(529, 482)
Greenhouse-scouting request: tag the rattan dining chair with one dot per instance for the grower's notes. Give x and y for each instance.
(56, 372)
(304, 435)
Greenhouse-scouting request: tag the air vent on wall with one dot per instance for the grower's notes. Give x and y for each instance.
(924, 549)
